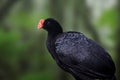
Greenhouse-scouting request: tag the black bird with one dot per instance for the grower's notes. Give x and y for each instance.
(77, 54)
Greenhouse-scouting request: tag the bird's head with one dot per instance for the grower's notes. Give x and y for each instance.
(50, 25)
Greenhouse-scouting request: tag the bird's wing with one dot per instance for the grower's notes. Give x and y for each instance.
(83, 55)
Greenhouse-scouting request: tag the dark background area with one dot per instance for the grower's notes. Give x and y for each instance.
(23, 53)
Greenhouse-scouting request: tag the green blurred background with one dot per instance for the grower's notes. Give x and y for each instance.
(23, 53)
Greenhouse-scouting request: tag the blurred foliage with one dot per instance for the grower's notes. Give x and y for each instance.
(109, 17)
(23, 53)
(108, 23)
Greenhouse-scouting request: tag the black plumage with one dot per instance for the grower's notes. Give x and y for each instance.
(77, 54)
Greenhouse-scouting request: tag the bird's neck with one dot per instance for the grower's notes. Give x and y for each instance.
(53, 34)
(51, 44)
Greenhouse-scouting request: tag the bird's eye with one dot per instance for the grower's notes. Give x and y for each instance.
(48, 23)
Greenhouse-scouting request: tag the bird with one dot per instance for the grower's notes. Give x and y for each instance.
(77, 54)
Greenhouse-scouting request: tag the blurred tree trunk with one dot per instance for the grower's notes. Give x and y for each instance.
(118, 42)
(5, 8)
(86, 15)
(57, 9)
(78, 9)
(82, 16)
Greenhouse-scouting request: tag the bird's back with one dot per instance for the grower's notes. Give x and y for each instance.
(80, 55)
